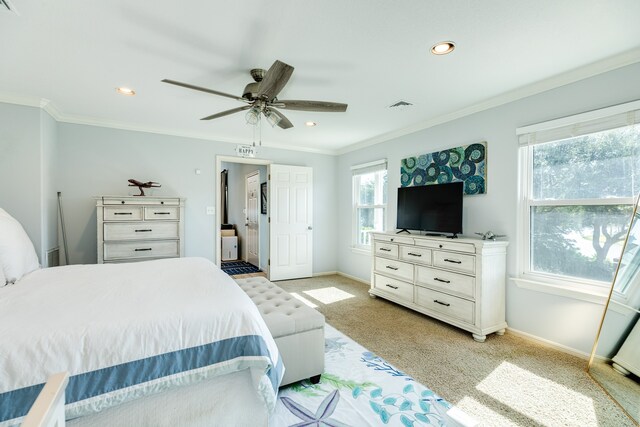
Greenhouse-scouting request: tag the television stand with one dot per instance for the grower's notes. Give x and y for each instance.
(403, 230)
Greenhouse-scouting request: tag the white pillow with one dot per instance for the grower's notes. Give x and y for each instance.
(17, 255)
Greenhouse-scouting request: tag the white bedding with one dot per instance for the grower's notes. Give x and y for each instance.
(126, 330)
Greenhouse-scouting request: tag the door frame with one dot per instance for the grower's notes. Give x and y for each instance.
(246, 209)
(218, 217)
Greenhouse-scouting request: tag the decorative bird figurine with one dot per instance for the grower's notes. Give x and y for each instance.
(141, 185)
(490, 236)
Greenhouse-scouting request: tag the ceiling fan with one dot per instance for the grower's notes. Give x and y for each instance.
(261, 97)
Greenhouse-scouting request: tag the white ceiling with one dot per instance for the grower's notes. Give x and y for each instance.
(367, 53)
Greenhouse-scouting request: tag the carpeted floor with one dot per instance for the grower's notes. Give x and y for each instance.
(505, 381)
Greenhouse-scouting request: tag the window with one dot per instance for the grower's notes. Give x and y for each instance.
(579, 183)
(369, 201)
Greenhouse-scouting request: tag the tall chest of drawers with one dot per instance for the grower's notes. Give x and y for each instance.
(140, 228)
(461, 281)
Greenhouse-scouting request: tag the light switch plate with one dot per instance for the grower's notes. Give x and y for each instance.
(211, 210)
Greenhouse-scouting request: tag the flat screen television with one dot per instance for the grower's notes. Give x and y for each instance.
(434, 209)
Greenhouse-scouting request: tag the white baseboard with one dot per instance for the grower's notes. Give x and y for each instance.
(357, 279)
(551, 344)
(324, 273)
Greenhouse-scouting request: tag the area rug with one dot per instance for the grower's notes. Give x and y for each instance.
(238, 267)
(358, 389)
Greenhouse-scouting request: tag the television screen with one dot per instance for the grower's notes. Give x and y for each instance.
(432, 208)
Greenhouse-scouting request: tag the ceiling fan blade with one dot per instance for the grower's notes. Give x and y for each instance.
(274, 80)
(226, 113)
(330, 107)
(202, 89)
(284, 123)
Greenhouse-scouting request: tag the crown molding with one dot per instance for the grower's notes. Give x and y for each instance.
(48, 106)
(575, 75)
(590, 70)
(80, 120)
(26, 101)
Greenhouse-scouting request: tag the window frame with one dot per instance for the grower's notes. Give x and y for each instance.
(591, 290)
(356, 172)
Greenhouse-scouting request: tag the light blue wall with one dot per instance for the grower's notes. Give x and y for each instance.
(94, 161)
(49, 150)
(27, 189)
(562, 320)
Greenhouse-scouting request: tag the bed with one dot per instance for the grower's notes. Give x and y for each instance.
(164, 342)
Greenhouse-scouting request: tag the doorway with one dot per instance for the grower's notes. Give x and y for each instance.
(244, 225)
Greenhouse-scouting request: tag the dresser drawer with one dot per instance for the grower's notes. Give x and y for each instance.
(451, 283)
(451, 306)
(392, 238)
(146, 200)
(415, 254)
(141, 230)
(389, 250)
(124, 213)
(393, 287)
(149, 249)
(458, 262)
(447, 245)
(401, 270)
(161, 213)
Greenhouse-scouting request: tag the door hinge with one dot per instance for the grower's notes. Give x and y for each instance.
(269, 220)
(269, 261)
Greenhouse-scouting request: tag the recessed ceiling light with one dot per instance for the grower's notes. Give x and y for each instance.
(443, 48)
(311, 124)
(125, 91)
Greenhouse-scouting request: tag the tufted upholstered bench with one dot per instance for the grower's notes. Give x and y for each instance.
(297, 329)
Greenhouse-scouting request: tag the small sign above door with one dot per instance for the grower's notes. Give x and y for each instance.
(245, 151)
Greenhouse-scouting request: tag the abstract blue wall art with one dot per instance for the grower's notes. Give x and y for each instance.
(467, 164)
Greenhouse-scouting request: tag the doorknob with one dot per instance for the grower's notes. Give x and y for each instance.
(309, 228)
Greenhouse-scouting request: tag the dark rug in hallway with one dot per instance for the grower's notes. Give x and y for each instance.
(239, 267)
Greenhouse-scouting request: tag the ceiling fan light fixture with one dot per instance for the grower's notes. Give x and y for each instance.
(272, 117)
(125, 91)
(253, 116)
(311, 124)
(443, 48)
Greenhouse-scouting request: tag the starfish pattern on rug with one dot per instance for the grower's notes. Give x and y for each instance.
(322, 415)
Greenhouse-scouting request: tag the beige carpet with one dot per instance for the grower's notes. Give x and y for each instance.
(505, 381)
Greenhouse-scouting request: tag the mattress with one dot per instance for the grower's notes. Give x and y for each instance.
(124, 331)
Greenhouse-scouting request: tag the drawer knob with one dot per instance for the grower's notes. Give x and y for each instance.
(455, 261)
(441, 280)
(391, 239)
(385, 249)
(122, 202)
(391, 286)
(162, 213)
(440, 245)
(144, 231)
(142, 249)
(392, 268)
(446, 304)
(412, 254)
(123, 213)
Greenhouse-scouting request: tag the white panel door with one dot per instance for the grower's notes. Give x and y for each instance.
(291, 222)
(252, 225)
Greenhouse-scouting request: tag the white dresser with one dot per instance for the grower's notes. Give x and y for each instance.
(139, 228)
(459, 281)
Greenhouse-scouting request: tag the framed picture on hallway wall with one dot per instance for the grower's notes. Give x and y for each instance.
(263, 198)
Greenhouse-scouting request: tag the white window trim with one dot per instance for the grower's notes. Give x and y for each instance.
(581, 289)
(361, 169)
